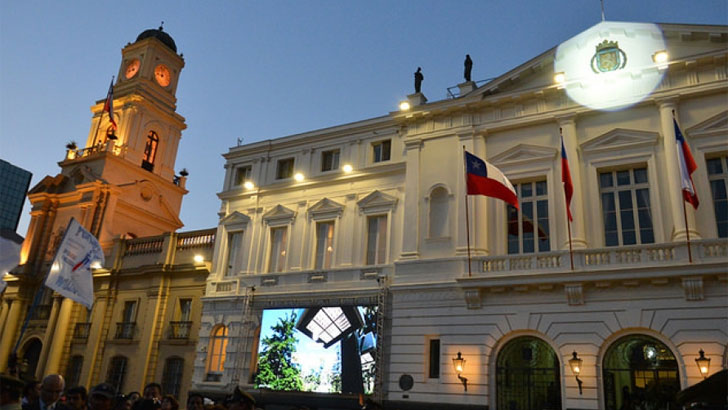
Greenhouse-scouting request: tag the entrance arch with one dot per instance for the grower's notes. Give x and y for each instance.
(31, 354)
(528, 376)
(638, 371)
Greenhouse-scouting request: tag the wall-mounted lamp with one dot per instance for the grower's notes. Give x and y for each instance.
(404, 105)
(198, 258)
(559, 78)
(703, 364)
(348, 168)
(298, 177)
(575, 364)
(459, 364)
(248, 185)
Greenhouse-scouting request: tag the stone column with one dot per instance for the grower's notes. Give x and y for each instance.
(59, 337)
(675, 230)
(48, 338)
(4, 308)
(571, 143)
(410, 229)
(7, 342)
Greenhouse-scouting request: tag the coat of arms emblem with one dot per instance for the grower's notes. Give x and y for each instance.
(608, 57)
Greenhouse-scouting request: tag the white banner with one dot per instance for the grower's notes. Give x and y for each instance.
(70, 273)
(9, 258)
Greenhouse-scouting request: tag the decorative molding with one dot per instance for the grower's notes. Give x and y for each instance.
(279, 215)
(317, 277)
(473, 298)
(235, 221)
(524, 154)
(693, 288)
(620, 139)
(716, 125)
(325, 209)
(376, 201)
(574, 294)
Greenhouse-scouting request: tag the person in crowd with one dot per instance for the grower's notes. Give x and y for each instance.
(31, 392)
(51, 389)
(240, 400)
(122, 402)
(10, 391)
(169, 403)
(153, 391)
(77, 398)
(134, 397)
(195, 401)
(101, 397)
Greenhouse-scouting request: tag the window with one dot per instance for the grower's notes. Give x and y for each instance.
(117, 373)
(330, 160)
(284, 169)
(185, 307)
(242, 174)
(718, 177)
(434, 359)
(376, 239)
(439, 204)
(216, 352)
(172, 376)
(528, 228)
(277, 249)
(235, 245)
(381, 151)
(150, 151)
(125, 328)
(129, 314)
(324, 244)
(73, 371)
(626, 207)
(180, 327)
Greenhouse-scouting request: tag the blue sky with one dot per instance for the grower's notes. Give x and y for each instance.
(260, 70)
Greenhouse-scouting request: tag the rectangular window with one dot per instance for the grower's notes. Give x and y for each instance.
(324, 244)
(718, 178)
(434, 360)
(242, 174)
(381, 151)
(185, 307)
(235, 244)
(528, 228)
(129, 314)
(284, 169)
(330, 160)
(376, 239)
(625, 198)
(277, 249)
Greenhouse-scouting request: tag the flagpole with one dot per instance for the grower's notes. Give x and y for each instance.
(101, 117)
(467, 218)
(571, 250)
(687, 231)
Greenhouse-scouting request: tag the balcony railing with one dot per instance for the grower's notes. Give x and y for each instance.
(109, 146)
(41, 312)
(213, 377)
(180, 330)
(81, 331)
(125, 330)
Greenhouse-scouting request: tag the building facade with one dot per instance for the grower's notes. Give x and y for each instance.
(13, 187)
(375, 213)
(122, 187)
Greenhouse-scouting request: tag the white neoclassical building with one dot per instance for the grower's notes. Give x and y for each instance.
(373, 213)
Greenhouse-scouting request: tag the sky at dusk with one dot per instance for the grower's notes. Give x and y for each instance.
(267, 69)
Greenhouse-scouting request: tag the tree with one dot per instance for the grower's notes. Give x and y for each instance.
(276, 369)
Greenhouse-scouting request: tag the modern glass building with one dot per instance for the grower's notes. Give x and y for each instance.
(13, 188)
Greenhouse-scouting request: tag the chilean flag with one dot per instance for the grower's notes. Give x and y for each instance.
(566, 180)
(687, 166)
(485, 179)
(109, 104)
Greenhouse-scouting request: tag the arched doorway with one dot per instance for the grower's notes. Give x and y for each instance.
(31, 353)
(640, 372)
(528, 376)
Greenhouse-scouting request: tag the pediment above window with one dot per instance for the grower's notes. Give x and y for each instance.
(713, 126)
(620, 139)
(279, 215)
(377, 201)
(524, 154)
(325, 209)
(235, 221)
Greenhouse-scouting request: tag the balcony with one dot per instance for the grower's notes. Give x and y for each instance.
(81, 331)
(125, 330)
(180, 330)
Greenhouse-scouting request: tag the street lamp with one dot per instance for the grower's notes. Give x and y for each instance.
(575, 364)
(459, 364)
(703, 364)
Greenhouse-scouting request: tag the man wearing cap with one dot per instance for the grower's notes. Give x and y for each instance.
(101, 396)
(10, 389)
(240, 400)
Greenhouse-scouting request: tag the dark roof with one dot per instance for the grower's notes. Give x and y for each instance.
(160, 35)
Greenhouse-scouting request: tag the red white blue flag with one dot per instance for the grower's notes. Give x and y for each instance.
(566, 179)
(109, 104)
(485, 179)
(687, 166)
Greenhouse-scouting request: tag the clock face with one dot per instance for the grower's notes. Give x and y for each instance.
(132, 68)
(161, 74)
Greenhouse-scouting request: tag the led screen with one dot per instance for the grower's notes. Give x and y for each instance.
(326, 349)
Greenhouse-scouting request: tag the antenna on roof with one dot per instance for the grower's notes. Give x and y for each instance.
(602, 1)
(240, 141)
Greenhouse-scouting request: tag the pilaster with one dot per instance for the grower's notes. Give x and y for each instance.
(578, 235)
(59, 337)
(410, 228)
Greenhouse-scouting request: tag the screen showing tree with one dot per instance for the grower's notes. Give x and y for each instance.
(327, 349)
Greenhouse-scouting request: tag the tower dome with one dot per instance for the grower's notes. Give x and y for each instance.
(160, 35)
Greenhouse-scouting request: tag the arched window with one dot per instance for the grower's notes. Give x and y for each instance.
(172, 376)
(439, 213)
(527, 375)
(73, 371)
(640, 372)
(117, 372)
(216, 352)
(150, 151)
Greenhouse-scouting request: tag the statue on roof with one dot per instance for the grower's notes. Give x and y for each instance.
(468, 67)
(418, 79)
